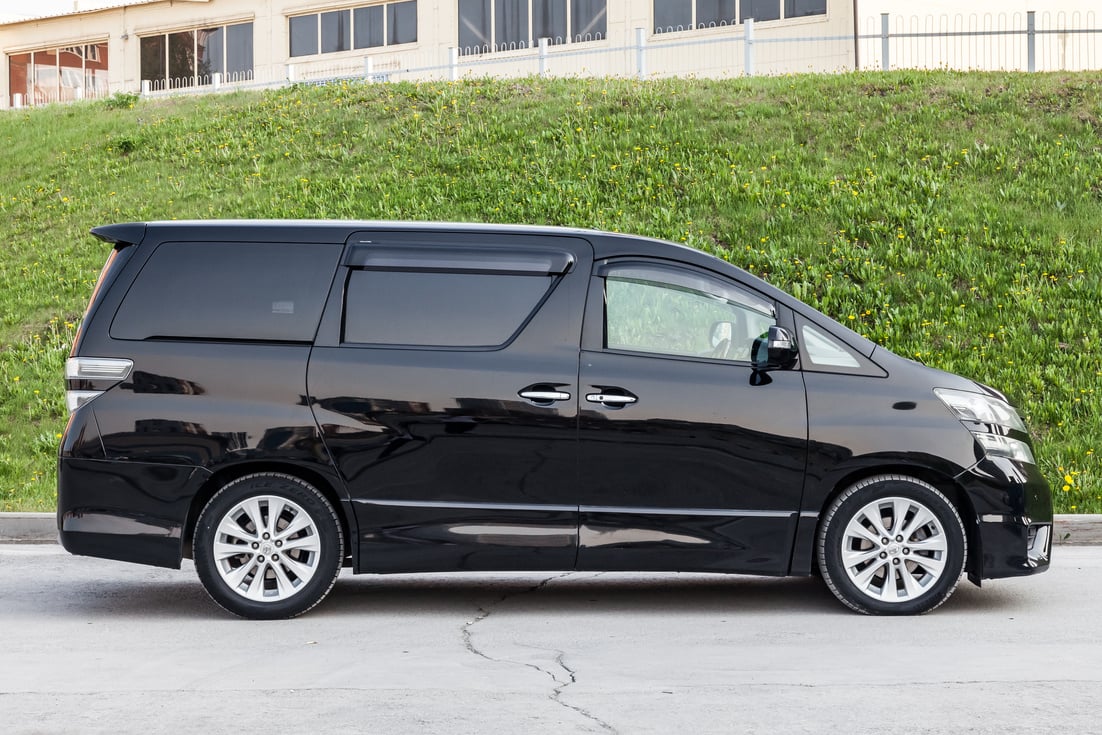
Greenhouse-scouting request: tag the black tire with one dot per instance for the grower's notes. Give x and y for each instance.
(879, 564)
(291, 542)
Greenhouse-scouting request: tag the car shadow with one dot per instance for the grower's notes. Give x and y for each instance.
(549, 594)
(577, 592)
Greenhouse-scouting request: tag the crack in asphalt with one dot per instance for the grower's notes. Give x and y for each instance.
(561, 682)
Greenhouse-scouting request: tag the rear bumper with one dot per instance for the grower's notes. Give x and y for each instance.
(1013, 506)
(129, 511)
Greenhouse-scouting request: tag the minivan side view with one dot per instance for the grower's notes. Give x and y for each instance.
(277, 400)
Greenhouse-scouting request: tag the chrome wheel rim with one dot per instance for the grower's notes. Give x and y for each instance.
(267, 548)
(894, 549)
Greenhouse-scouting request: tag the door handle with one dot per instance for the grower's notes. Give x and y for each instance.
(544, 396)
(613, 400)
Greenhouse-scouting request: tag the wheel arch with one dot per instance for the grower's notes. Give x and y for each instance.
(226, 475)
(944, 483)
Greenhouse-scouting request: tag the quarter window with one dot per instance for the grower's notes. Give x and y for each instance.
(356, 27)
(668, 312)
(500, 25)
(266, 292)
(824, 351)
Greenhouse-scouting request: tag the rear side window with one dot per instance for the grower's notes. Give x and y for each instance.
(415, 295)
(439, 309)
(270, 292)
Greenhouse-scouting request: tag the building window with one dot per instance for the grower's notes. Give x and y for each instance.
(759, 10)
(800, 8)
(502, 25)
(365, 26)
(192, 58)
(58, 74)
(686, 15)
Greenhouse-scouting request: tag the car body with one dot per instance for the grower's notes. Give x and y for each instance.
(412, 397)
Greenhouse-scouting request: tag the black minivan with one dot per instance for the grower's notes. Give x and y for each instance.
(279, 399)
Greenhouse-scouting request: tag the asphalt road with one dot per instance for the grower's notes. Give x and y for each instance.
(93, 646)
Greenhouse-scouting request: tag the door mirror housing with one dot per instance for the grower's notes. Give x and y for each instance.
(775, 350)
(721, 332)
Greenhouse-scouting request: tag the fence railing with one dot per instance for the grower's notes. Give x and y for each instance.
(1046, 41)
(1031, 41)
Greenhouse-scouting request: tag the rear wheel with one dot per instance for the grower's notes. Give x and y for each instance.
(268, 546)
(892, 545)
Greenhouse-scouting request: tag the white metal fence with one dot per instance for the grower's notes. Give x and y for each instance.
(1046, 41)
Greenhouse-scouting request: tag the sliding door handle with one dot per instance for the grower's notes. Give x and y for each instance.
(616, 400)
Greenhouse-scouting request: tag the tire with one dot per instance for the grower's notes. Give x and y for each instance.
(268, 546)
(892, 545)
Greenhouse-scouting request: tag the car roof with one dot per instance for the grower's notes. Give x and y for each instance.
(605, 245)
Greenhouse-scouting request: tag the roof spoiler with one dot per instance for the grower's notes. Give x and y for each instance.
(128, 233)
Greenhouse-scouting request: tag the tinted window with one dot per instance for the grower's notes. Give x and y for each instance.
(673, 313)
(711, 13)
(797, 8)
(304, 35)
(241, 291)
(761, 9)
(672, 15)
(335, 31)
(587, 19)
(474, 25)
(549, 20)
(152, 53)
(239, 51)
(439, 309)
(824, 351)
(368, 26)
(401, 21)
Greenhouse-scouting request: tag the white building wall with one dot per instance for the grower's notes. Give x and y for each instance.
(428, 58)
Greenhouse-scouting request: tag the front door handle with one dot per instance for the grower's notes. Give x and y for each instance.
(612, 400)
(544, 396)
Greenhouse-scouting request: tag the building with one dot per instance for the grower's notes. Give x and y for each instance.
(167, 46)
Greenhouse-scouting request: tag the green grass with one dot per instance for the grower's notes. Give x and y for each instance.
(954, 218)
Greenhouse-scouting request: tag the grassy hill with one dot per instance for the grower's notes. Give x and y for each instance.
(954, 218)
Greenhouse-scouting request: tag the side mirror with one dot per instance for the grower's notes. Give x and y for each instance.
(722, 332)
(775, 350)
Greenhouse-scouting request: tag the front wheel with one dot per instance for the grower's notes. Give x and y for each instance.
(268, 546)
(892, 545)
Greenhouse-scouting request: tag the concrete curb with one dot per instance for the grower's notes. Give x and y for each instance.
(41, 528)
(28, 528)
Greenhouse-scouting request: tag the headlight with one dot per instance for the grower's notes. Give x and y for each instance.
(981, 414)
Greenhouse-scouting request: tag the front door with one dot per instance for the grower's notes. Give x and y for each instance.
(689, 458)
(444, 382)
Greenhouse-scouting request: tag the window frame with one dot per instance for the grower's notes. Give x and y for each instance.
(166, 81)
(94, 70)
(491, 32)
(352, 42)
(865, 368)
(740, 18)
(307, 309)
(434, 258)
(594, 330)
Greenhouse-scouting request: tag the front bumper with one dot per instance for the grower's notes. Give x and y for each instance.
(1013, 511)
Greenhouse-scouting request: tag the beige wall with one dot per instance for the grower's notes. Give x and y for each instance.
(438, 20)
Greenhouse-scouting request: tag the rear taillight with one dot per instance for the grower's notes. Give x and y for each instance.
(92, 376)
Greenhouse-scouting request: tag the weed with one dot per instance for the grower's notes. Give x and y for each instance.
(954, 218)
